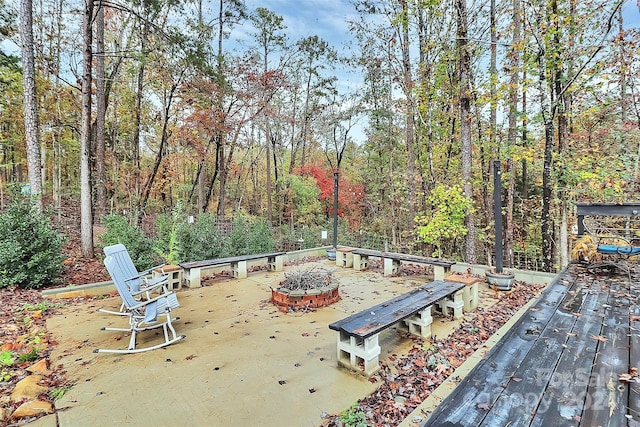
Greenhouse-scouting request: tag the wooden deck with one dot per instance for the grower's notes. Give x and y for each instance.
(561, 363)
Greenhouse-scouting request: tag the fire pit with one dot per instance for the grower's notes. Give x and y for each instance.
(305, 290)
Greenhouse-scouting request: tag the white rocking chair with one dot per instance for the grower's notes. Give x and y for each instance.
(142, 315)
(140, 284)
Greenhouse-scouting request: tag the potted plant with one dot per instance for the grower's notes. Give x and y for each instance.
(501, 280)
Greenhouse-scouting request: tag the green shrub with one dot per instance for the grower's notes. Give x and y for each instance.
(249, 237)
(30, 248)
(260, 240)
(354, 417)
(139, 246)
(201, 240)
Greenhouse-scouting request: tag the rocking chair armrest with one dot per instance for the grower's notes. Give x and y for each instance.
(150, 270)
(149, 301)
(155, 286)
(155, 282)
(143, 274)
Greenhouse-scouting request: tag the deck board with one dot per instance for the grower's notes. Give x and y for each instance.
(560, 363)
(562, 401)
(607, 397)
(478, 392)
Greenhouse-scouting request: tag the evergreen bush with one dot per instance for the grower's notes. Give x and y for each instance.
(201, 240)
(31, 250)
(249, 237)
(139, 246)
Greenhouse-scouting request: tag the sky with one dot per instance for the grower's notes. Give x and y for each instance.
(324, 18)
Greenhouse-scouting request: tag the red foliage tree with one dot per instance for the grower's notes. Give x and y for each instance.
(350, 195)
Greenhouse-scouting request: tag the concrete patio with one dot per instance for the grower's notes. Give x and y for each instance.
(243, 363)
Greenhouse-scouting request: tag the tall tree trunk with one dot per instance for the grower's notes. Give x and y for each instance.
(220, 137)
(223, 176)
(101, 107)
(267, 137)
(410, 118)
(464, 64)
(138, 128)
(561, 102)
(30, 105)
(512, 132)
(86, 215)
(164, 137)
(493, 113)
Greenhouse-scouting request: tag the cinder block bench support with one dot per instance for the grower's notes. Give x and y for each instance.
(418, 324)
(470, 295)
(276, 263)
(441, 271)
(360, 262)
(452, 304)
(192, 277)
(239, 269)
(344, 257)
(354, 352)
(391, 266)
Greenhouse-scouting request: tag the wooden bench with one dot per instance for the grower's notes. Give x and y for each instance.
(357, 338)
(564, 362)
(393, 260)
(193, 270)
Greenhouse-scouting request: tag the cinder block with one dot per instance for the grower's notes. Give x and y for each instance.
(174, 273)
(418, 324)
(276, 263)
(469, 292)
(391, 266)
(453, 304)
(360, 262)
(344, 257)
(470, 297)
(239, 269)
(360, 355)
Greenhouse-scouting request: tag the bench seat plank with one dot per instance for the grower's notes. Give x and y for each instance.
(227, 260)
(392, 262)
(192, 270)
(403, 257)
(381, 316)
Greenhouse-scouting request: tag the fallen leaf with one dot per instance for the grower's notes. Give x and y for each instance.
(599, 338)
(483, 406)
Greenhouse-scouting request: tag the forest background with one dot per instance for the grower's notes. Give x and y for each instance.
(146, 107)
